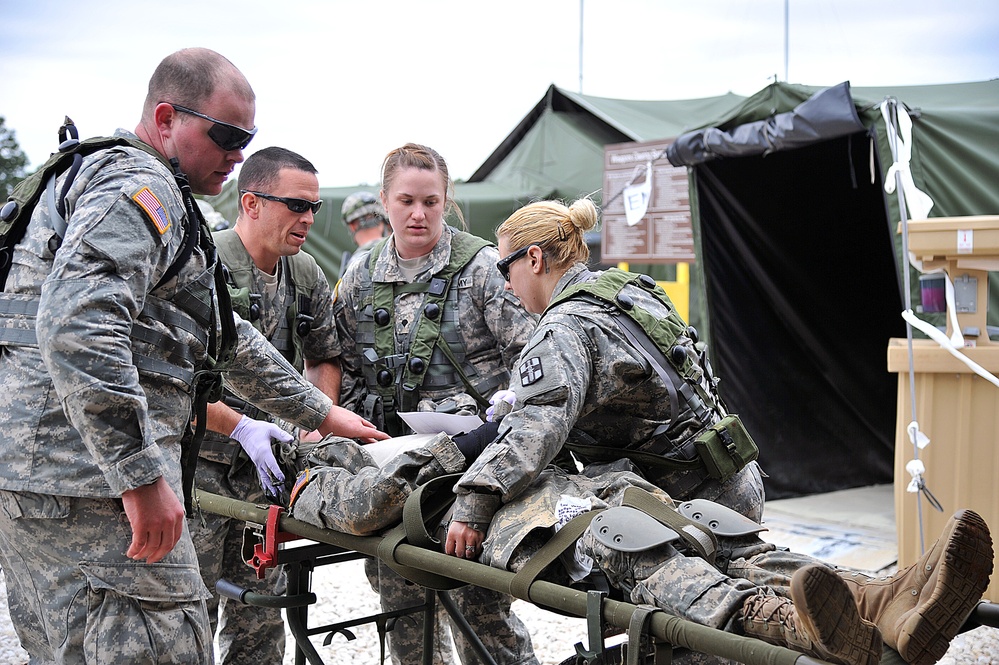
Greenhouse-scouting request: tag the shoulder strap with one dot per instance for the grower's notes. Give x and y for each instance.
(231, 249)
(303, 273)
(464, 246)
(655, 338)
(16, 213)
(637, 323)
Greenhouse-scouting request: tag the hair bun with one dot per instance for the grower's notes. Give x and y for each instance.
(583, 214)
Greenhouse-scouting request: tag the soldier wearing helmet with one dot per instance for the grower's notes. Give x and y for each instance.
(365, 218)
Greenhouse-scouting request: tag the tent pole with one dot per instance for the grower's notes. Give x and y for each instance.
(904, 219)
(581, 46)
(787, 10)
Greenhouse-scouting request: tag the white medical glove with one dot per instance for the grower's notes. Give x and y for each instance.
(502, 402)
(255, 437)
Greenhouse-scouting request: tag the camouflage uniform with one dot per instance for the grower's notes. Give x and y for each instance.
(493, 328)
(246, 633)
(86, 420)
(350, 493)
(685, 586)
(580, 372)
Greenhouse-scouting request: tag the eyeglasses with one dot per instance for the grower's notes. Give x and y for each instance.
(225, 135)
(503, 265)
(297, 206)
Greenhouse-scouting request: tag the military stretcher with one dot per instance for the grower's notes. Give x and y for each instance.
(652, 635)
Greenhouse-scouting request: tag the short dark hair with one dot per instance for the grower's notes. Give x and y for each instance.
(260, 170)
(192, 75)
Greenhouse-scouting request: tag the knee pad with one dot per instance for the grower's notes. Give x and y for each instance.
(721, 520)
(625, 529)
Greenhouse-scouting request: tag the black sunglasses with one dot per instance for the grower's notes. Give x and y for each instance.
(297, 206)
(225, 135)
(503, 265)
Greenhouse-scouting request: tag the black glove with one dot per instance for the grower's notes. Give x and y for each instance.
(471, 444)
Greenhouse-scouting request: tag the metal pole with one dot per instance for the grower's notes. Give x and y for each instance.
(674, 630)
(581, 46)
(787, 10)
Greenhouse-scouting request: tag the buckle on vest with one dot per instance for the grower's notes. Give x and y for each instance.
(438, 287)
(389, 362)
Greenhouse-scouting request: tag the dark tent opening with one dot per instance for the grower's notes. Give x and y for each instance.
(803, 296)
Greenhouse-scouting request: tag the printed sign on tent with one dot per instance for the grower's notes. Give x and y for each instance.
(646, 206)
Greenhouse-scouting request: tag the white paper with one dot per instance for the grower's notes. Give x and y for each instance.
(385, 450)
(636, 197)
(430, 422)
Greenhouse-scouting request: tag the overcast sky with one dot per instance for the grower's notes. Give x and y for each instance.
(345, 82)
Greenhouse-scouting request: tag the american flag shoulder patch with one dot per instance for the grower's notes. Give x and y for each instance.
(531, 371)
(157, 213)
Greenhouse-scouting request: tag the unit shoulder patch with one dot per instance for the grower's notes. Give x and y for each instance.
(531, 371)
(147, 200)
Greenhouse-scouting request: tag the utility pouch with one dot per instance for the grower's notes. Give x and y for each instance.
(372, 410)
(725, 448)
(240, 298)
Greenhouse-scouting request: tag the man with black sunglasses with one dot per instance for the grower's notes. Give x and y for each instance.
(282, 291)
(115, 325)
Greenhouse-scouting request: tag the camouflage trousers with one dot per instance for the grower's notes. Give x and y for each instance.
(488, 613)
(685, 586)
(690, 587)
(76, 598)
(246, 634)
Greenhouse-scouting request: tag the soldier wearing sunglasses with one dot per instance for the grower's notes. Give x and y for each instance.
(121, 321)
(281, 290)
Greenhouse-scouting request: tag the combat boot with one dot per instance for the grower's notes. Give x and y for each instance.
(820, 619)
(920, 608)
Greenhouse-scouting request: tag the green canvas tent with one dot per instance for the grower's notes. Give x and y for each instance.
(797, 283)
(556, 151)
(801, 264)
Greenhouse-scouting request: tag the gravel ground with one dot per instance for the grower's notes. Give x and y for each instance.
(344, 593)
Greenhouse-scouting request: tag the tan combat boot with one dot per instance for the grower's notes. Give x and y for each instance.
(920, 608)
(820, 619)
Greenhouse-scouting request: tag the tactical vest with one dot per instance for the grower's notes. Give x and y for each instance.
(433, 358)
(695, 402)
(191, 308)
(301, 274)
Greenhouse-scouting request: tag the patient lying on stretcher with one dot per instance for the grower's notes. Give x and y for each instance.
(728, 578)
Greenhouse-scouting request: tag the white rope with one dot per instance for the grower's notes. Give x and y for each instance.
(933, 333)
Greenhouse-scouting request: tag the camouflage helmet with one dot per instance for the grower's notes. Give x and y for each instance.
(364, 209)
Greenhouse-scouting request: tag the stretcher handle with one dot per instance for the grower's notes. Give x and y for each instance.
(984, 614)
(247, 597)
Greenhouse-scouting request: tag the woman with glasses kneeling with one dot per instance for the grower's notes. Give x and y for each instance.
(611, 372)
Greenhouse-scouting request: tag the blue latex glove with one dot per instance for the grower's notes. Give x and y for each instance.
(502, 402)
(255, 437)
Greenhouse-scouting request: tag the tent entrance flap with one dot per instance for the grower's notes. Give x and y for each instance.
(827, 114)
(803, 295)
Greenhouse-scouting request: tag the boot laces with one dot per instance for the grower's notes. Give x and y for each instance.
(766, 607)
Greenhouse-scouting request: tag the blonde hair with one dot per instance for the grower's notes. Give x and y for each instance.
(414, 155)
(556, 228)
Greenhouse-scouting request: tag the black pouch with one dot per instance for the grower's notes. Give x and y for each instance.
(372, 410)
(725, 448)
